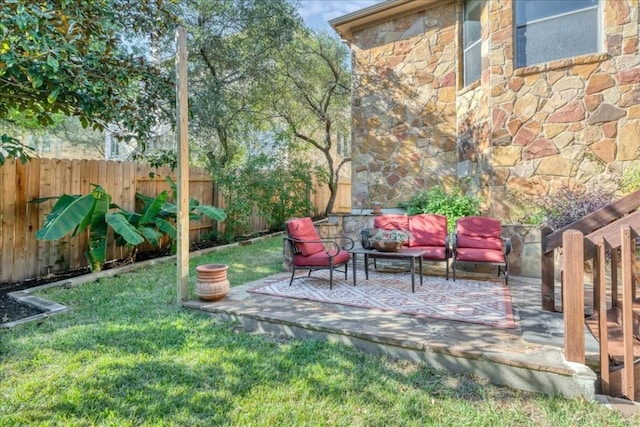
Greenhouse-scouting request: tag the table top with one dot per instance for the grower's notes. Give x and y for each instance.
(402, 253)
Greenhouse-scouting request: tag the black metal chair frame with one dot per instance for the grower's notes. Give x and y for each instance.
(503, 267)
(332, 247)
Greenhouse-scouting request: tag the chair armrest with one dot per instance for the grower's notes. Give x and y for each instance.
(332, 246)
(347, 243)
(453, 242)
(506, 245)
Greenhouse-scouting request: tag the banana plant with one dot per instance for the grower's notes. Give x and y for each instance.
(196, 209)
(151, 222)
(77, 213)
(95, 212)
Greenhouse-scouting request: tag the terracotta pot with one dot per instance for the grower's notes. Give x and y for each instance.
(387, 246)
(211, 282)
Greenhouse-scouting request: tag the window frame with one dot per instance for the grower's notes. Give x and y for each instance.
(517, 26)
(477, 43)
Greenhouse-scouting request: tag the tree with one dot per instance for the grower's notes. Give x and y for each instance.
(83, 58)
(312, 98)
(231, 49)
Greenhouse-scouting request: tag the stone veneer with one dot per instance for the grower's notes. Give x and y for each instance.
(524, 131)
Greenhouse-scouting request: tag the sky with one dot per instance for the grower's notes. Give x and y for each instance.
(317, 13)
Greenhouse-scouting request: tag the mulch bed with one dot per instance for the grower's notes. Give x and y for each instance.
(10, 310)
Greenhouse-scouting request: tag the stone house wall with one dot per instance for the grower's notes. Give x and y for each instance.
(525, 131)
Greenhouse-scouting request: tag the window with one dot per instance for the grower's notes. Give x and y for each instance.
(471, 40)
(547, 30)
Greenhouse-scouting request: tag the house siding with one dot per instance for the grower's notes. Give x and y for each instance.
(516, 132)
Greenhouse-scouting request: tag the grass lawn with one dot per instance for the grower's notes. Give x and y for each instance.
(127, 355)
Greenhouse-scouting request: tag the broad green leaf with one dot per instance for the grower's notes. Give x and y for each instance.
(166, 227)
(145, 199)
(173, 186)
(151, 235)
(170, 208)
(53, 95)
(53, 63)
(66, 215)
(212, 212)
(99, 229)
(122, 227)
(153, 209)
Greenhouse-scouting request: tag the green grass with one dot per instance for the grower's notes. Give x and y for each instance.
(127, 355)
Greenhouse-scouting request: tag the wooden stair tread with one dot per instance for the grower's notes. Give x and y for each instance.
(616, 343)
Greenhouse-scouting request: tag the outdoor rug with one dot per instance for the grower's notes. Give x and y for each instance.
(471, 301)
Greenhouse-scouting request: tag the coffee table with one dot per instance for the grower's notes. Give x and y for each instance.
(404, 253)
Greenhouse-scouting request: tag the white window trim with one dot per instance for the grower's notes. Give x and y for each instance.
(516, 27)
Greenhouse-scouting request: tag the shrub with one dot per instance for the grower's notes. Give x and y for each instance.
(568, 205)
(277, 188)
(436, 200)
(524, 210)
(630, 180)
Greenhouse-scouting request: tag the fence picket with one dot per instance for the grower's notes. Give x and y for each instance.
(24, 257)
(8, 219)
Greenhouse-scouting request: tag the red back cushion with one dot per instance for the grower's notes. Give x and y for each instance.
(479, 232)
(428, 230)
(303, 229)
(391, 222)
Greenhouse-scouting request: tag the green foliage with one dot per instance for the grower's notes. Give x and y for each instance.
(525, 210)
(76, 58)
(95, 212)
(77, 213)
(277, 190)
(568, 205)
(232, 47)
(312, 97)
(162, 215)
(453, 205)
(12, 148)
(630, 180)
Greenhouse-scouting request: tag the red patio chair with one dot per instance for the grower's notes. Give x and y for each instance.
(478, 240)
(311, 252)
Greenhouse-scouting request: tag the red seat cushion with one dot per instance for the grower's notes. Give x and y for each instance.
(479, 232)
(428, 230)
(321, 259)
(303, 229)
(438, 253)
(480, 255)
(391, 222)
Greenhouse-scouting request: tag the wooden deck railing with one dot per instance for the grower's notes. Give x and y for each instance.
(606, 237)
(594, 221)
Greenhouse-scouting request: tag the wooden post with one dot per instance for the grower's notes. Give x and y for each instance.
(573, 295)
(628, 247)
(548, 297)
(183, 166)
(600, 306)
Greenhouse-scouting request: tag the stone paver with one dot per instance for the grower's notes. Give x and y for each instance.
(528, 357)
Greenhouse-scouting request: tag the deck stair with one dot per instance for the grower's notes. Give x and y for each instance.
(616, 347)
(607, 239)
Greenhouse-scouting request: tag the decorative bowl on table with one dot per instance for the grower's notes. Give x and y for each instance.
(387, 246)
(389, 240)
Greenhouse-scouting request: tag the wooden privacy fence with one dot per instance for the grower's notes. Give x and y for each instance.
(23, 257)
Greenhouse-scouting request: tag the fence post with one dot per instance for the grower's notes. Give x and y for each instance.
(627, 249)
(573, 295)
(548, 297)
